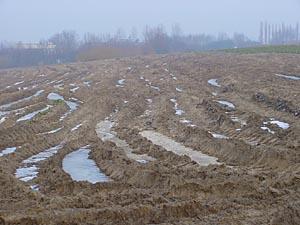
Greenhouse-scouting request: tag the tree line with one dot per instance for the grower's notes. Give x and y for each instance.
(278, 34)
(70, 47)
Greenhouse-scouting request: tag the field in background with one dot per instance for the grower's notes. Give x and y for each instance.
(291, 49)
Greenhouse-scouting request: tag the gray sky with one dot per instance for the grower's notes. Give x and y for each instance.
(31, 20)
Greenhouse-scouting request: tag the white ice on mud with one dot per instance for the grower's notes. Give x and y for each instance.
(214, 82)
(179, 149)
(218, 136)
(103, 130)
(78, 165)
(2, 120)
(38, 93)
(280, 124)
(267, 129)
(53, 131)
(178, 111)
(73, 90)
(29, 169)
(121, 82)
(30, 116)
(8, 151)
(288, 77)
(179, 89)
(227, 104)
(76, 127)
(72, 105)
(18, 83)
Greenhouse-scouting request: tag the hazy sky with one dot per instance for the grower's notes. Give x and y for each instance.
(31, 20)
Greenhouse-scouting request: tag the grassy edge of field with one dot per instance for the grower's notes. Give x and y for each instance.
(289, 49)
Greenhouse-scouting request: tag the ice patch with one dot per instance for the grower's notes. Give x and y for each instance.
(288, 77)
(38, 93)
(55, 97)
(103, 130)
(87, 83)
(155, 88)
(76, 127)
(8, 151)
(72, 105)
(218, 136)
(238, 120)
(267, 129)
(29, 170)
(74, 89)
(214, 82)
(149, 100)
(121, 82)
(177, 148)
(227, 104)
(178, 111)
(78, 165)
(280, 124)
(179, 89)
(18, 83)
(53, 131)
(33, 114)
(2, 120)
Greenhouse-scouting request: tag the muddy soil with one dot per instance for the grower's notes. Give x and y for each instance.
(161, 112)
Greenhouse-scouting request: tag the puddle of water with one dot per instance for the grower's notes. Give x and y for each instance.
(104, 132)
(214, 82)
(76, 127)
(267, 129)
(29, 169)
(8, 151)
(288, 77)
(33, 114)
(218, 136)
(78, 165)
(227, 104)
(179, 149)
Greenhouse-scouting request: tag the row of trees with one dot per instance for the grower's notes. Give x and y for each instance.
(68, 45)
(279, 34)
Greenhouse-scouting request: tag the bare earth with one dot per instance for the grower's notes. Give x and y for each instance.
(173, 146)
